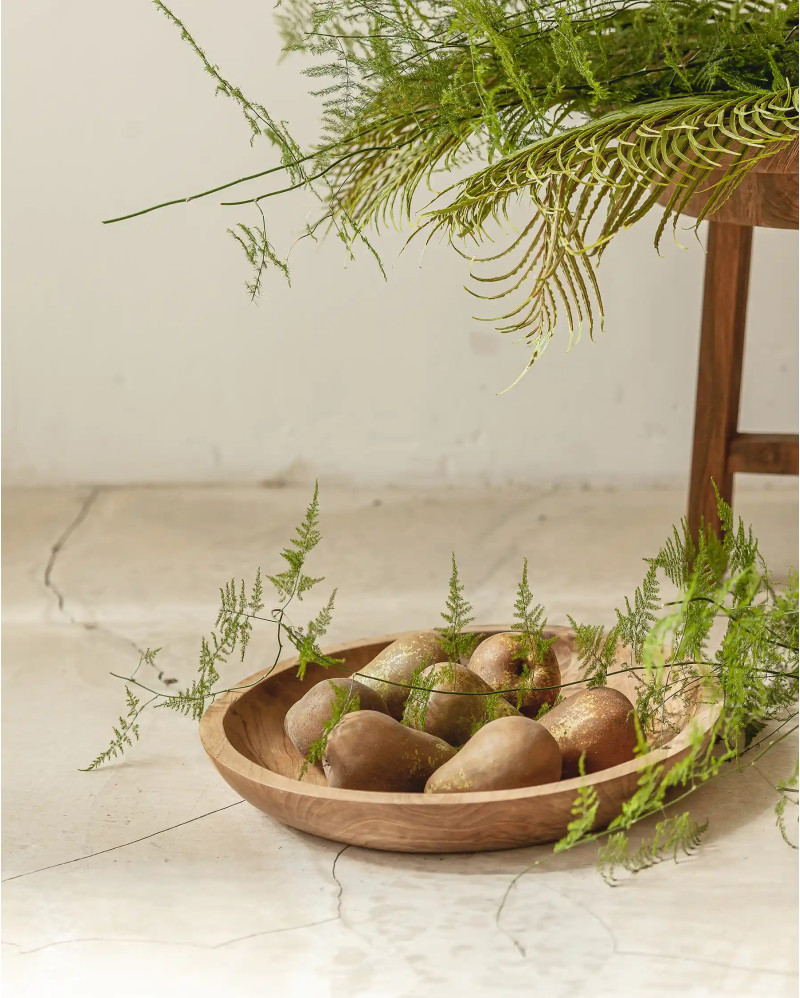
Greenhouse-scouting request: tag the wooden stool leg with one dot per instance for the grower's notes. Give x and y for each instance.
(720, 369)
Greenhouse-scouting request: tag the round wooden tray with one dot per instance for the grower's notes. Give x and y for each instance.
(242, 732)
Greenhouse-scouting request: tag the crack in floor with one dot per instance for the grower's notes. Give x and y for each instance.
(167, 942)
(59, 545)
(271, 932)
(553, 890)
(171, 942)
(55, 551)
(121, 845)
(324, 921)
(511, 885)
(616, 951)
(706, 960)
(335, 918)
(338, 882)
(339, 916)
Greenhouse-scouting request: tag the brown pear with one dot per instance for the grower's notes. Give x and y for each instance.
(396, 663)
(371, 751)
(453, 709)
(507, 753)
(305, 720)
(597, 722)
(499, 662)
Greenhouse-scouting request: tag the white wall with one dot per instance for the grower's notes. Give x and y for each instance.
(131, 352)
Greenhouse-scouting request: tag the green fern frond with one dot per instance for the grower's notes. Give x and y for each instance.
(674, 835)
(529, 622)
(491, 703)
(739, 545)
(125, 732)
(586, 110)
(457, 615)
(676, 555)
(596, 649)
(617, 165)
(636, 622)
(416, 706)
(584, 812)
(752, 675)
(258, 118)
(292, 581)
(345, 700)
(306, 640)
(233, 630)
(260, 254)
(249, 610)
(649, 795)
(546, 707)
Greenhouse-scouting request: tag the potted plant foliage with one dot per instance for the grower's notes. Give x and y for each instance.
(589, 113)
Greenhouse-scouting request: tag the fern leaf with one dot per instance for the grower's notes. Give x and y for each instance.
(529, 622)
(596, 649)
(457, 615)
(125, 732)
(674, 835)
(584, 811)
(416, 706)
(345, 700)
(292, 581)
(623, 160)
(635, 623)
(306, 640)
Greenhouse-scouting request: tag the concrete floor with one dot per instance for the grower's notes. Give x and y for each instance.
(149, 874)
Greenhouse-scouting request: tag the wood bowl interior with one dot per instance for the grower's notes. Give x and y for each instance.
(244, 736)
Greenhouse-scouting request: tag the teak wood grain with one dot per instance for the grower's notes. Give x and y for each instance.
(764, 453)
(767, 197)
(719, 376)
(243, 735)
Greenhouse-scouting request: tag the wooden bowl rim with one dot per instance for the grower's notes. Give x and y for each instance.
(220, 750)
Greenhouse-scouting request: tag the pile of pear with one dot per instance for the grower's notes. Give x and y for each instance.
(378, 745)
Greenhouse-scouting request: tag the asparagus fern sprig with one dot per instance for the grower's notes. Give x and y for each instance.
(596, 648)
(232, 633)
(752, 675)
(125, 731)
(457, 642)
(293, 581)
(345, 700)
(530, 621)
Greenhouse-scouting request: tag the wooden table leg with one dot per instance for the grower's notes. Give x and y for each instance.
(720, 369)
